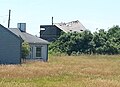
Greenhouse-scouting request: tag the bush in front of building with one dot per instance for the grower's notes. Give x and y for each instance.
(25, 49)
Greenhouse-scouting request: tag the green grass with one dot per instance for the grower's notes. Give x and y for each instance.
(64, 71)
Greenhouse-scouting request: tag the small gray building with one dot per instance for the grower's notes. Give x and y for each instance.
(10, 45)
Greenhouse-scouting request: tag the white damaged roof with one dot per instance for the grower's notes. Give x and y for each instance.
(73, 26)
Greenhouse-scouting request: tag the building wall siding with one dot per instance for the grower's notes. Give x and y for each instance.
(10, 47)
(51, 33)
(44, 51)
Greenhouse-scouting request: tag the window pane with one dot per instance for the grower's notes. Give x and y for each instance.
(38, 51)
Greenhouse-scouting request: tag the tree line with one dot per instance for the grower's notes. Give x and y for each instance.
(101, 42)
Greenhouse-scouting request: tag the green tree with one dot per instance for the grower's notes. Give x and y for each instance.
(72, 42)
(114, 40)
(101, 42)
(100, 39)
(25, 49)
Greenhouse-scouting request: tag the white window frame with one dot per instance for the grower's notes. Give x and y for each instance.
(40, 52)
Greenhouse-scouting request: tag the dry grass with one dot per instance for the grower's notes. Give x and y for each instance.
(64, 71)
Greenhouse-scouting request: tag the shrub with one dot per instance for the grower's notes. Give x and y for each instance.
(25, 49)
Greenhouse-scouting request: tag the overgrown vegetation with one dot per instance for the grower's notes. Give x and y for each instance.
(101, 42)
(25, 49)
(64, 71)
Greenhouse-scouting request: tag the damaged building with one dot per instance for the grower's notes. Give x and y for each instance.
(52, 32)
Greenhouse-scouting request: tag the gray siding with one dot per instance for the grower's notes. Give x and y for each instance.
(10, 47)
(44, 51)
(51, 32)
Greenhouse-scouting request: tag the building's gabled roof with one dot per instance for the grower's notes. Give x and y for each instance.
(17, 36)
(74, 26)
(28, 37)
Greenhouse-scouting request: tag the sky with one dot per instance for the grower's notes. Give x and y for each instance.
(93, 14)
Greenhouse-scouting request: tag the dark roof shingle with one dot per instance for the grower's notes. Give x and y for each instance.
(28, 37)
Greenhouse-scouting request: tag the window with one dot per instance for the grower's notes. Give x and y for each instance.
(42, 28)
(38, 51)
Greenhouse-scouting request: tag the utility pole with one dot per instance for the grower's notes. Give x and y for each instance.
(9, 18)
(52, 20)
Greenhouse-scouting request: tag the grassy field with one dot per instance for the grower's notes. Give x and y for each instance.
(64, 71)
